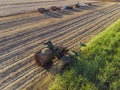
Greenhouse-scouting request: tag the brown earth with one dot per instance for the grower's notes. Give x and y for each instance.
(22, 35)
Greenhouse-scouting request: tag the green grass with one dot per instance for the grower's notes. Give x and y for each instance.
(97, 67)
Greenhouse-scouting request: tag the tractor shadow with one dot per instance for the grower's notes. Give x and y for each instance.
(88, 7)
(58, 13)
(53, 14)
(59, 65)
(56, 67)
(48, 65)
(62, 12)
(65, 12)
(76, 10)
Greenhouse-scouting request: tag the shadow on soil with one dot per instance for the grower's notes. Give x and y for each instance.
(55, 68)
(60, 13)
(54, 14)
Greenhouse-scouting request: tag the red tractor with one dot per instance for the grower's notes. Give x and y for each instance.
(55, 8)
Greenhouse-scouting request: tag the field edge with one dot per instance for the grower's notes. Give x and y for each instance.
(96, 66)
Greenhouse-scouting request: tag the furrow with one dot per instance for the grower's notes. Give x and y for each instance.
(24, 78)
(17, 18)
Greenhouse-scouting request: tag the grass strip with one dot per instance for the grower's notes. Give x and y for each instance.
(97, 66)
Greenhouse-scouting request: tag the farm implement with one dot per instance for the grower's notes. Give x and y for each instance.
(51, 52)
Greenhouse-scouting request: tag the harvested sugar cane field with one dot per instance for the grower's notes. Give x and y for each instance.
(60, 45)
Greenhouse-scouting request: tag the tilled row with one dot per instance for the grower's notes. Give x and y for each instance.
(30, 75)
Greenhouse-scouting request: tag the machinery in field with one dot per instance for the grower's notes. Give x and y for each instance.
(50, 52)
(55, 58)
(43, 10)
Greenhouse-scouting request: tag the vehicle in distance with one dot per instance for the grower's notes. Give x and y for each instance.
(43, 10)
(55, 8)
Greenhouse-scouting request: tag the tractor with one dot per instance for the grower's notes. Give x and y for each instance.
(68, 7)
(43, 10)
(50, 52)
(55, 8)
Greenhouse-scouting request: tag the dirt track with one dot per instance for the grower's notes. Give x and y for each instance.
(18, 43)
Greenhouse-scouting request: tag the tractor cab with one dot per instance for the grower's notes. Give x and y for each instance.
(43, 10)
(55, 8)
